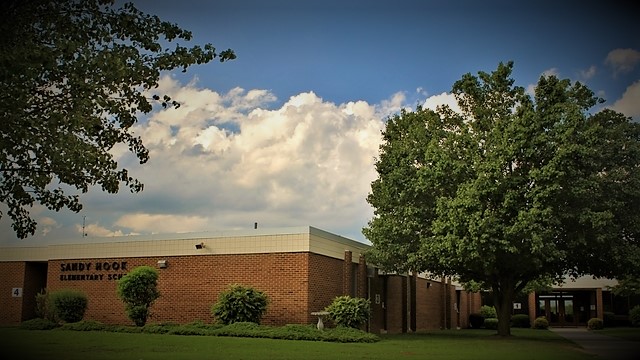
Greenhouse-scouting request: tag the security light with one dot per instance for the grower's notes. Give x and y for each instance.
(200, 246)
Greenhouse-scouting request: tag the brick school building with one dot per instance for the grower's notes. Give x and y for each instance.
(300, 269)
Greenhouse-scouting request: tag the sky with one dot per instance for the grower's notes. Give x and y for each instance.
(287, 134)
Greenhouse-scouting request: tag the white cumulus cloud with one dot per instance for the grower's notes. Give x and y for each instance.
(433, 102)
(622, 60)
(228, 160)
(629, 103)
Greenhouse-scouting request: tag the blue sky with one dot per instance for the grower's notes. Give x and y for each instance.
(286, 134)
(368, 50)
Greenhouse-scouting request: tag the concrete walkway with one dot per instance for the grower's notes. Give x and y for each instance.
(606, 347)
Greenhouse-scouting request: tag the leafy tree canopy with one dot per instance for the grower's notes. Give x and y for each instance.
(74, 77)
(513, 191)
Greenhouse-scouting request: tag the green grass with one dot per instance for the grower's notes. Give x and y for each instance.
(454, 344)
(627, 333)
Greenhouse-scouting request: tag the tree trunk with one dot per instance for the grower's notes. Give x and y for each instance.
(503, 299)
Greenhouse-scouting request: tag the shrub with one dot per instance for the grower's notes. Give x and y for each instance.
(240, 304)
(86, 325)
(349, 335)
(44, 310)
(476, 320)
(488, 312)
(520, 321)
(595, 324)
(139, 289)
(491, 323)
(38, 324)
(634, 316)
(609, 319)
(68, 305)
(541, 323)
(349, 311)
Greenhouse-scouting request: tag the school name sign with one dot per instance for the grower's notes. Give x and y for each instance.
(93, 271)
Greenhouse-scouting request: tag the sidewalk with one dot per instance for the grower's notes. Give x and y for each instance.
(606, 347)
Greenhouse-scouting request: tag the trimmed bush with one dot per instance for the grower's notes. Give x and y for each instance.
(476, 320)
(609, 319)
(239, 329)
(139, 290)
(44, 309)
(634, 316)
(541, 323)
(349, 311)
(491, 323)
(38, 324)
(68, 305)
(240, 304)
(86, 325)
(595, 324)
(488, 312)
(520, 321)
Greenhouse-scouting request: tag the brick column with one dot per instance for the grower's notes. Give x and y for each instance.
(362, 278)
(346, 273)
(532, 307)
(599, 305)
(445, 309)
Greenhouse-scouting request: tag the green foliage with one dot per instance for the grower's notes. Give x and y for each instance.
(627, 286)
(476, 321)
(595, 324)
(541, 323)
(238, 329)
(240, 304)
(491, 323)
(44, 310)
(139, 290)
(39, 324)
(520, 321)
(349, 311)
(79, 72)
(514, 190)
(488, 312)
(634, 315)
(86, 325)
(68, 305)
(609, 319)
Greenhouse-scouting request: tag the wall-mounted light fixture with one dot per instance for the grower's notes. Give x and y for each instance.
(162, 264)
(200, 246)
(428, 284)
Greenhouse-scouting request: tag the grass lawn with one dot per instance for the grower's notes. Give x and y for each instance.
(453, 344)
(627, 333)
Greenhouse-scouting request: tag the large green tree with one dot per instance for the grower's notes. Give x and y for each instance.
(513, 190)
(75, 75)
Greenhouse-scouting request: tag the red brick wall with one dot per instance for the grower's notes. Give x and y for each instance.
(191, 284)
(325, 279)
(396, 303)
(428, 304)
(11, 276)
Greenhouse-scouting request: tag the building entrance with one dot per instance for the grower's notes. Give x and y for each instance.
(564, 308)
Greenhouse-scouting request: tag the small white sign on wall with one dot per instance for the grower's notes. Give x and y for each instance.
(16, 292)
(517, 306)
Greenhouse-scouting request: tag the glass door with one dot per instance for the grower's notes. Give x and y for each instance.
(558, 308)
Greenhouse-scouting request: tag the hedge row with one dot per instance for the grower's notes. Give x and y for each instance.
(240, 329)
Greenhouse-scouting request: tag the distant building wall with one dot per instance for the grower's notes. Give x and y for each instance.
(301, 271)
(12, 276)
